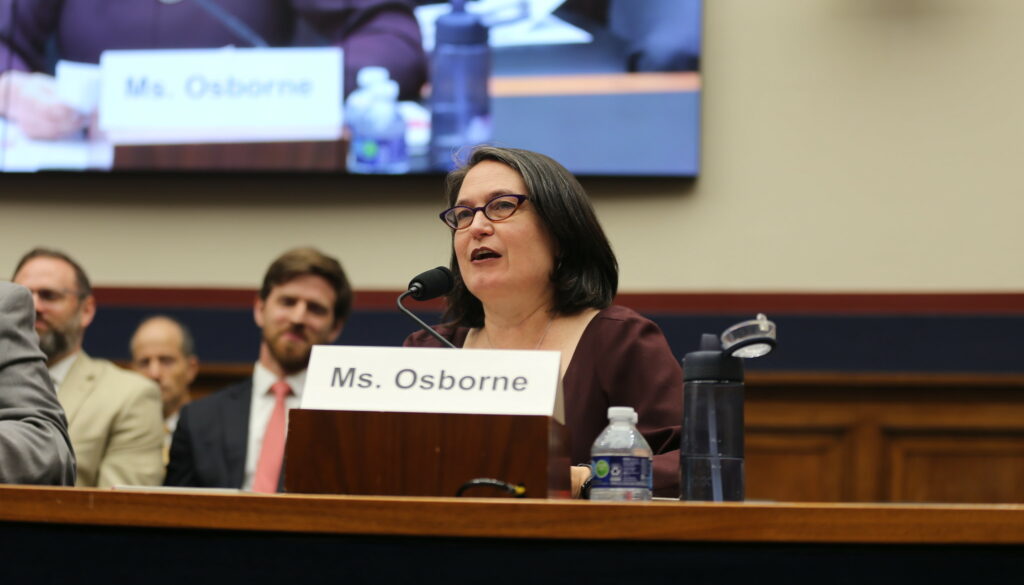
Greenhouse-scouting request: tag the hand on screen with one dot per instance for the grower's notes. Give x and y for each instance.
(31, 101)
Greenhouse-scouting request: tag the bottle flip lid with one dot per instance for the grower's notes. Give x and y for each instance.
(750, 339)
(719, 358)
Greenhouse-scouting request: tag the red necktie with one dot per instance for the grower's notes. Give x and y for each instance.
(268, 469)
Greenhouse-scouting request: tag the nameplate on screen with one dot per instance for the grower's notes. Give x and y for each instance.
(180, 96)
(452, 381)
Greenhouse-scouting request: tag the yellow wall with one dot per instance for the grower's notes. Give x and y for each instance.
(852, 145)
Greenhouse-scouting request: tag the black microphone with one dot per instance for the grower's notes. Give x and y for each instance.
(425, 286)
(431, 284)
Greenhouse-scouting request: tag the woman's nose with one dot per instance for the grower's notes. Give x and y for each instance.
(480, 224)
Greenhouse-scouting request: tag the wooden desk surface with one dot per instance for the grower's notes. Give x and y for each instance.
(520, 519)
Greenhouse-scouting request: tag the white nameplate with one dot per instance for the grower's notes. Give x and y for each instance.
(406, 379)
(221, 95)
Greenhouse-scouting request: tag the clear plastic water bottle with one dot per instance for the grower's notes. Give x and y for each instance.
(378, 134)
(460, 70)
(622, 460)
(361, 98)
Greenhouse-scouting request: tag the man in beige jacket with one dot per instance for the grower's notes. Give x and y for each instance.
(114, 416)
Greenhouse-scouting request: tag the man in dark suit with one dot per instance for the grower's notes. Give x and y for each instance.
(234, 438)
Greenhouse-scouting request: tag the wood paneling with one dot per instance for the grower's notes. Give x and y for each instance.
(820, 437)
(964, 468)
(799, 466)
(888, 438)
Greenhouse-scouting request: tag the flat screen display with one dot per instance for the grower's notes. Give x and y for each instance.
(606, 87)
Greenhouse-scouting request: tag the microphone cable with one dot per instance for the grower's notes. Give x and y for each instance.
(517, 490)
(425, 286)
(444, 342)
(230, 21)
(233, 23)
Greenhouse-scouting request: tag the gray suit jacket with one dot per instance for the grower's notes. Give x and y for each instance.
(34, 442)
(115, 418)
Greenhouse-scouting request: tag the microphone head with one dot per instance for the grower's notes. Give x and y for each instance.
(432, 284)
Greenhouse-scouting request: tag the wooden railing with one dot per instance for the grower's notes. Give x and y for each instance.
(838, 437)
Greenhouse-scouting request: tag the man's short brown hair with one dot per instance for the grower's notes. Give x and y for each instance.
(81, 278)
(302, 261)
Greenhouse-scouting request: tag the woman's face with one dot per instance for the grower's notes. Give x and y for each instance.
(512, 258)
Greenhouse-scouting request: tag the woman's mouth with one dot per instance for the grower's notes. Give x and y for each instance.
(481, 254)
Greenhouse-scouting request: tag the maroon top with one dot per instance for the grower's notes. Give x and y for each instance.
(622, 359)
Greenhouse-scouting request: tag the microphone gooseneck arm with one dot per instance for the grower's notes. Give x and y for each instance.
(232, 22)
(413, 290)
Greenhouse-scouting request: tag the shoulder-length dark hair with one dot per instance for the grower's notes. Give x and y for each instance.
(586, 274)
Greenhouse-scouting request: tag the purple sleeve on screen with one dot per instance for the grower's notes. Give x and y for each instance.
(372, 32)
(24, 29)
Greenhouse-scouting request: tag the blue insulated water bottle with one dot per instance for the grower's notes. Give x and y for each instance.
(460, 104)
(711, 449)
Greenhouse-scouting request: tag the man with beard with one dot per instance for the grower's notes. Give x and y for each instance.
(234, 438)
(113, 414)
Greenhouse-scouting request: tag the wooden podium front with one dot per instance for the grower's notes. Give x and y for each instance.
(424, 454)
(326, 155)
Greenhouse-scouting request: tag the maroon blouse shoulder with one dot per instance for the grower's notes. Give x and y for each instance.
(456, 335)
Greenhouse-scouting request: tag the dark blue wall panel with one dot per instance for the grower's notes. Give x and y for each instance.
(960, 343)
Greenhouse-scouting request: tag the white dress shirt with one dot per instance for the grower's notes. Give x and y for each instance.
(170, 423)
(59, 370)
(260, 409)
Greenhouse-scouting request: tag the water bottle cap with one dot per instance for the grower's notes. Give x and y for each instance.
(622, 413)
(372, 75)
(459, 27)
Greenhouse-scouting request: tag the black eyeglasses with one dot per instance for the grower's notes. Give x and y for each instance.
(52, 296)
(498, 209)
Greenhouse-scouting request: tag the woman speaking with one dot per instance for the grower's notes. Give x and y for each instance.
(534, 270)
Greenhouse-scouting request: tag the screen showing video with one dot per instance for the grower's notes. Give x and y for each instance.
(606, 87)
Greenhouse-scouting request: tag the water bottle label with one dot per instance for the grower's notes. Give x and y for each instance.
(378, 154)
(622, 471)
